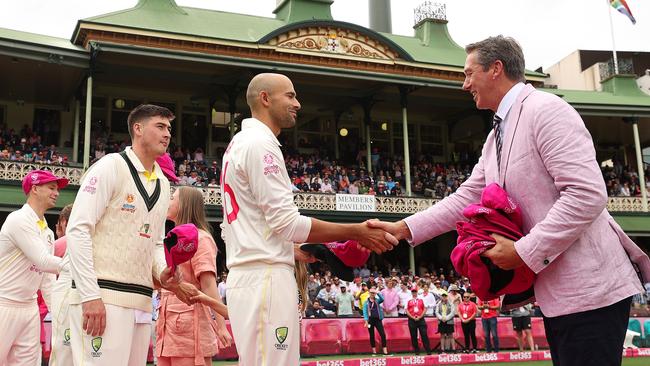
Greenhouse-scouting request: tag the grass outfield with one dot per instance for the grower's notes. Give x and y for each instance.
(640, 361)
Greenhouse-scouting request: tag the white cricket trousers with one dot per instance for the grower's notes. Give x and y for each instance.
(61, 354)
(263, 311)
(123, 343)
(20, 333)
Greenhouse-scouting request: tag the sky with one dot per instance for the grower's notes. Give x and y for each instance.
(548, 30)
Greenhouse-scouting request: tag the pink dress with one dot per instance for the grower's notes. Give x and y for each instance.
(188, 331)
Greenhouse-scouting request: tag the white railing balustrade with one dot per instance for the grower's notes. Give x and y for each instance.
(15, 171)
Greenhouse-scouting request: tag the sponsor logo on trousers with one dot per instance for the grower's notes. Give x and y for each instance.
(486, 357)
(373, 362)
(521, 356)
(449, 358)
(413, 360)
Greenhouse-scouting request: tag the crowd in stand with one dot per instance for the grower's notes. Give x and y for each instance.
(26, 146)
(309, 172)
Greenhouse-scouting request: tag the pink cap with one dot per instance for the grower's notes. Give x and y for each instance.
(181, 243)
(38, 177)
(349, 252)
(167, 166)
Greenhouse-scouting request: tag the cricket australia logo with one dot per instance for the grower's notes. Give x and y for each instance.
(281, 335)
(96, 344)
(66, 337)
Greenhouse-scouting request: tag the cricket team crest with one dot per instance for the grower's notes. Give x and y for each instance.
(281, 334)
(96, 344)
(66, 337)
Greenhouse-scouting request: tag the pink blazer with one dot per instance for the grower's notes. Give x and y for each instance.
(579, 253)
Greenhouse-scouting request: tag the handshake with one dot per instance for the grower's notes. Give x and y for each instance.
(382, 236)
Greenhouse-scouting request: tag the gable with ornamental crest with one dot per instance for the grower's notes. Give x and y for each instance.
(333, 39)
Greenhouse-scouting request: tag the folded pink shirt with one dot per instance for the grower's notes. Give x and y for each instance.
(496, 214)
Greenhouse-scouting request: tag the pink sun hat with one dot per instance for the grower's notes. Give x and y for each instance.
(38, 177)
(181, 244)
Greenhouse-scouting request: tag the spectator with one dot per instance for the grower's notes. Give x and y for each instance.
(362, 296)
(391, 298)
(490, 310)
(404, 296)
(454, 294)
(344, 302)
(223, 288)
(468, 311)
(445, 312)
(327, 297)
(521, 325)
(415, 314)
(315, 311)
(373, 315)
(429, 300)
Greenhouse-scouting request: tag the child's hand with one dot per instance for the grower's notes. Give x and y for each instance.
(201, 297)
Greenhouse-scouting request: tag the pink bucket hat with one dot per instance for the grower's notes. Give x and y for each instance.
(349, 253)
(341, 257)
(38, 177)
(167, 166)
(181, 244)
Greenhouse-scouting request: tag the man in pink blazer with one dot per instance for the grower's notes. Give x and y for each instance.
(546, 163)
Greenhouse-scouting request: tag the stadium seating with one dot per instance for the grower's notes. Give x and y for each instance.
(397, 335)
(323, 336)
(356, 337)
(634, 325)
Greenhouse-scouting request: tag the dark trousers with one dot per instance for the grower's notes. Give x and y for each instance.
(414, 327)
(469, 331)
(593, 337)
(376, 323)
(490, 327)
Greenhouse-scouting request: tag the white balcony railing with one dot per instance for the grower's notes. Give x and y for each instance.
(15, 171)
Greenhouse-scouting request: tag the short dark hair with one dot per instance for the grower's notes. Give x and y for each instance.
(505, 49)
(146, 111)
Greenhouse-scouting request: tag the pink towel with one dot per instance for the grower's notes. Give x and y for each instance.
(498, 214)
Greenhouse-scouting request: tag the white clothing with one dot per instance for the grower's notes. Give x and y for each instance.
(261, 221)
(429, 303)
(26, 253)
(505, 105)
(265, 328)
(124, 341)
(114, 241)
(20, 342)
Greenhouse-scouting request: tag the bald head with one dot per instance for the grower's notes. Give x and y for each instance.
(266, 82)
(272, 100)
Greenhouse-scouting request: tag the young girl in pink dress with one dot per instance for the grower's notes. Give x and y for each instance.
(191, 334)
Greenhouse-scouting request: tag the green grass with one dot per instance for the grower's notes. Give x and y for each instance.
(641, 361)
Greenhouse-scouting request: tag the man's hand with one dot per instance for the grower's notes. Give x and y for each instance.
(399, 230)
(375, 239)
(503, 254)
(302, 256)
(94, 317)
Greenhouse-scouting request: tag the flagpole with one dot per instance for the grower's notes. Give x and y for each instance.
(611, 28)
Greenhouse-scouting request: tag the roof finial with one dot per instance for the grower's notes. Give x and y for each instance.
(430, 11)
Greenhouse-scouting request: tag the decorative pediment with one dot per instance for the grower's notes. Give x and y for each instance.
(335, 40)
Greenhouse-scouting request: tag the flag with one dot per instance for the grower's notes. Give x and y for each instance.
(621, 6)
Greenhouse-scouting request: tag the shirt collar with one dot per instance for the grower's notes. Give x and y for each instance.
(508, 100)
(256, 124)
(151, 176)
(41, 223)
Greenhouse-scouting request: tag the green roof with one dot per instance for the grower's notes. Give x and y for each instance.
(166, 17)
(587, 97)
(39, 40)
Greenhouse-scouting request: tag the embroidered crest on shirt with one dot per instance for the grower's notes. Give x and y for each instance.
(270, 166)
(144, 231)
(128, 206)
